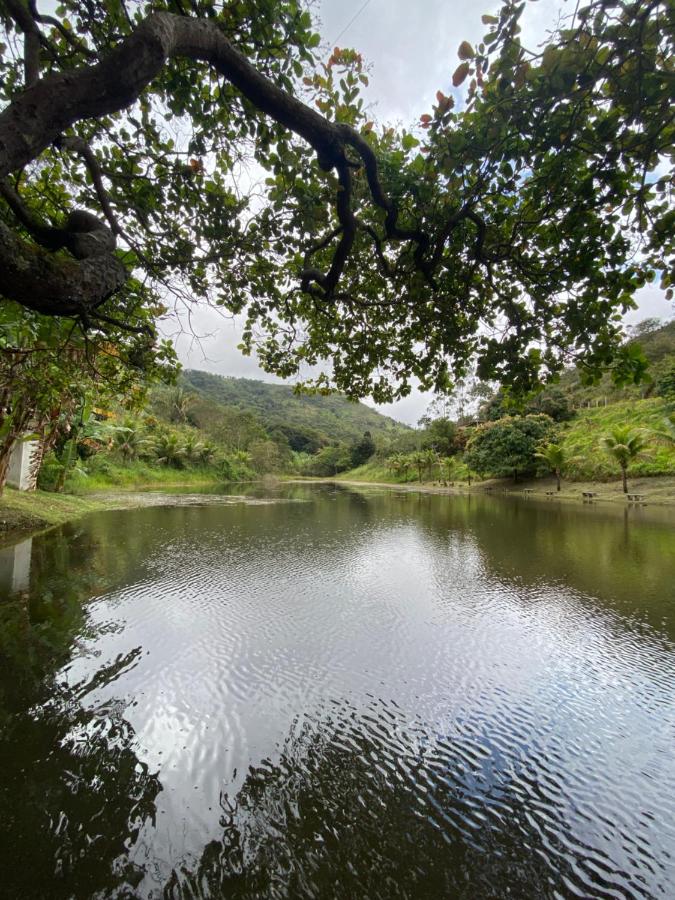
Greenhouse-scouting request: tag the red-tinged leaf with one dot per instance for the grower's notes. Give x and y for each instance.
(465, 51)
(460, 73)
(425, 119)
(440, 96)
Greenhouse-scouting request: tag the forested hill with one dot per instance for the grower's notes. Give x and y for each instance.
(333, 417)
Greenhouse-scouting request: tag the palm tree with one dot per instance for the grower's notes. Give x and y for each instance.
(128, 442)
(392, 464)
(625, 445)
(207, 452)
(419, 460)
(430, 460)
(192, 448)
(668, 432)
(168, 450)
(555, 458)
(180, 402)
(448, 464)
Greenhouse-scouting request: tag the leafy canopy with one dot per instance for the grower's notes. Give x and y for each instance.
(509, 446)
(513, 232)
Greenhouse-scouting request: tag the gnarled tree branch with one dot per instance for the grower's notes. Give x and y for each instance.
(39, 116)
(54, 285)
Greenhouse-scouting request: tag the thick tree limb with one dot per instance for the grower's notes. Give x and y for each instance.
(39, 116)
(83, 234)
(54, 285)
(44, 111)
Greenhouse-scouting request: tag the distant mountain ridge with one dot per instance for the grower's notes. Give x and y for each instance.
(334, 416)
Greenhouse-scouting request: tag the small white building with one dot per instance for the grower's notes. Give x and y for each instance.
(24, 464)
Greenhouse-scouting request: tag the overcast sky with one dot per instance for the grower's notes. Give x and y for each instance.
(411, 47)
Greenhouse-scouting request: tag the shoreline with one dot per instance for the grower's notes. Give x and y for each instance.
(25, 514)
(658, 490)
(28, 513)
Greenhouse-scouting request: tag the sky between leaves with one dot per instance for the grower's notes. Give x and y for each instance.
(411, 48)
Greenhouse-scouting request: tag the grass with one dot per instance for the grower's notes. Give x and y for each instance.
(582, 440)
(107, 473)
(22, 512)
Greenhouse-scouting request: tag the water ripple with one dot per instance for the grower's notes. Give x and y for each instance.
(338, 704)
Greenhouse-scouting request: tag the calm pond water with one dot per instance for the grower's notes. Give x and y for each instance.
(326, 693)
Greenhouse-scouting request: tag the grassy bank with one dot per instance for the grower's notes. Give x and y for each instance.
(106, 473)
(588, 463)
(24, 513)
(656, 490)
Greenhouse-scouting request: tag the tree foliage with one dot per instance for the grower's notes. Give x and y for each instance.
(49, 375)
(508, 446)
(624, 444)
(554, 457)
(441, 435)
(514, 233)
(361, 450)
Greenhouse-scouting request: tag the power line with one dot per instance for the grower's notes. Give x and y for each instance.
(351, 21)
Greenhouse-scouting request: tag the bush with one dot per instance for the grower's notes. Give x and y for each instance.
(509, 445)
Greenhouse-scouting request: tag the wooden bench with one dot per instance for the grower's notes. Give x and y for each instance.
(588, 495)
(635, 498)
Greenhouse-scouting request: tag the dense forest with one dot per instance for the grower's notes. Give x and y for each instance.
(208, 427)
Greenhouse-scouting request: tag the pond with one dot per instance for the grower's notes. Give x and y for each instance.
(324, 692)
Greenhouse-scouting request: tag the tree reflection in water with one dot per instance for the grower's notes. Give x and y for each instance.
(350, 809)
(73, 795)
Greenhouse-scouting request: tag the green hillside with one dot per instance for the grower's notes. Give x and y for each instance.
(333, 417)
(582, 439)
(657, 343)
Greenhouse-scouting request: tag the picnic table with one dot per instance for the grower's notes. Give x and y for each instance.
(635, 498)
(588, 495)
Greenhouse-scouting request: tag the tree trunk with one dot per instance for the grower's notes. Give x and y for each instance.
(623, 478)
(4, 465)
(515, 476)
(557, 478)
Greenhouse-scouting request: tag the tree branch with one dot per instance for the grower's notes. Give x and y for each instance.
(80, 146)
(68, 36)
(83, 235)
(32, 40)
(44, 111)
(54, 285)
